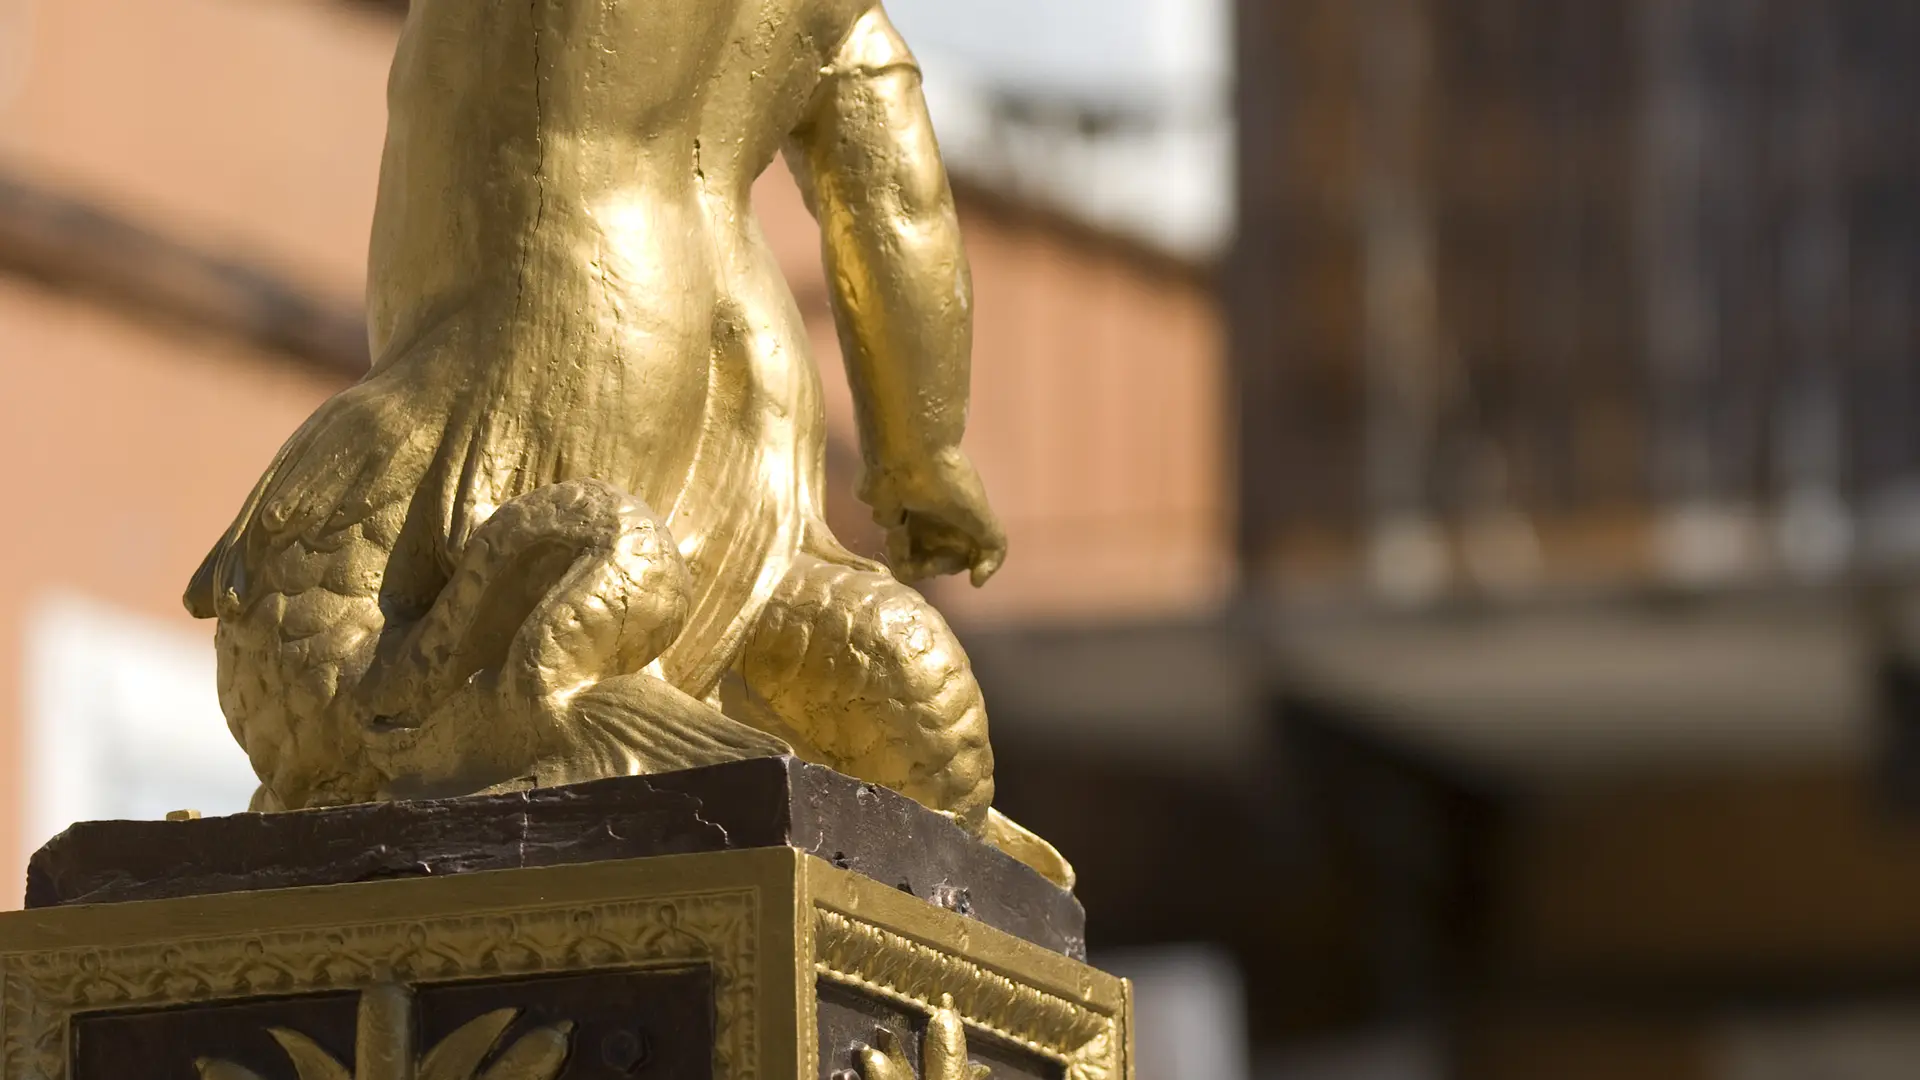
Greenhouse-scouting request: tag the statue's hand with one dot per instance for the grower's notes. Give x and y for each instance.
(937, 520)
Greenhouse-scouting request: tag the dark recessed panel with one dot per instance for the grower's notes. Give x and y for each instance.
(164, 1044)
(618, 1025)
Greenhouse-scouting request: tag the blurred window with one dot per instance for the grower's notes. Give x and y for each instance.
(122, 720)
(1189, 1015)
(1389, 1054)
(1114, 112)
(1856, 1044)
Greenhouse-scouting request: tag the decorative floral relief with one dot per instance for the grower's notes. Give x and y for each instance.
(538, 1055)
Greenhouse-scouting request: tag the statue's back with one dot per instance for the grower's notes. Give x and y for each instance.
(520, 128)
(564, 246)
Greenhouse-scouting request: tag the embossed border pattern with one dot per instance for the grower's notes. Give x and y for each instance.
(893, 966)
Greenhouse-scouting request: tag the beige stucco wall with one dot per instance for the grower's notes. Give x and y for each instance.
(252, 128)
(242, 125)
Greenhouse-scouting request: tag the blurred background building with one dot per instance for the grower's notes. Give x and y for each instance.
(1459, 455)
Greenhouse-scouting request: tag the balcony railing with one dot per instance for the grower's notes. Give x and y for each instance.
(1560, 292)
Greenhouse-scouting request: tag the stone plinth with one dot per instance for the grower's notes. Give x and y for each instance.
(758, 920)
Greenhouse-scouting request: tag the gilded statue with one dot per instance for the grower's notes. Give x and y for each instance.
(569, 525)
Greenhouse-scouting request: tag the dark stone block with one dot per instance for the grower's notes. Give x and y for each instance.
(771, 802)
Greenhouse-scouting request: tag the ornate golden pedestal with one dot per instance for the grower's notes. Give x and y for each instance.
(735, 965)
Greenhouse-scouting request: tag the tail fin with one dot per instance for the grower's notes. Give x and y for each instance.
(203, 591)
(638, 724)
(1007, 835)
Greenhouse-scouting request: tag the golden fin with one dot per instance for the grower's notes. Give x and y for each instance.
(1009, 836)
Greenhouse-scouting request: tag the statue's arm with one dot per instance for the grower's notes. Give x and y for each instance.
(867, 162)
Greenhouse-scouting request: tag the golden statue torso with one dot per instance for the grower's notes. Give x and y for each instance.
(568, 183)
(565, 247)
